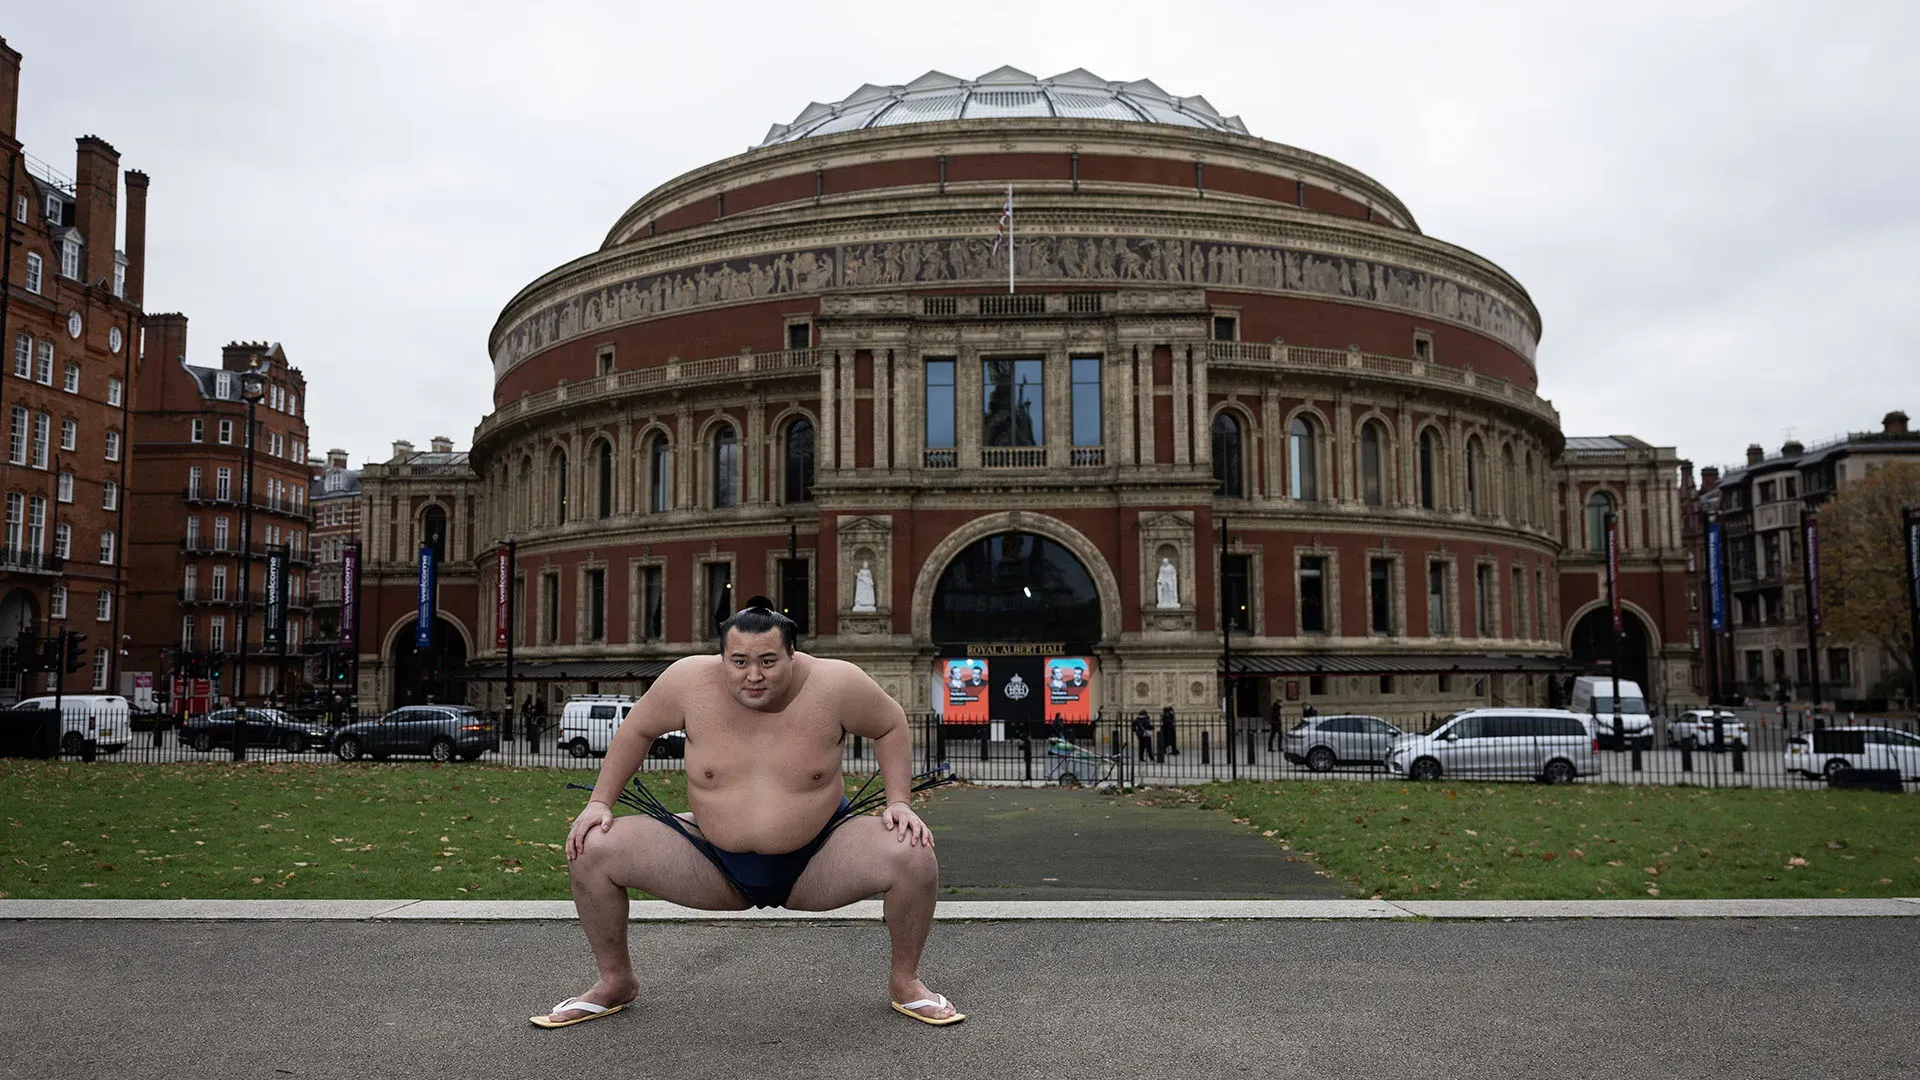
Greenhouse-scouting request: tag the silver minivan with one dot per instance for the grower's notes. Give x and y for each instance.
(1550, 745)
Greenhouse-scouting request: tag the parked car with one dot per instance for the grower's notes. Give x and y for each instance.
(587, 724)
(1828, 751)
(441, 732)
(1550, 745)
(1694, 728)
(265, 727)
(1593, 698)
(1323, 742)
(106, 716)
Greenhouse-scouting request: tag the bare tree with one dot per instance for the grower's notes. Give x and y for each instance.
(1863, 562)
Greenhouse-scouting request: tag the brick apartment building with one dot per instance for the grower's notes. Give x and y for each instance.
(185, 548)
(70, 303)
(335, 497)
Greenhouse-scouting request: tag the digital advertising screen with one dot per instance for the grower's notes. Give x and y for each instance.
(1069, 681)
(968, 700)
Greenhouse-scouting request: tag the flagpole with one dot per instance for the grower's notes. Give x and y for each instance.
(1009, 239)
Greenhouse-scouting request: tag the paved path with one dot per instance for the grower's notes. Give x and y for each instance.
(1373, 998)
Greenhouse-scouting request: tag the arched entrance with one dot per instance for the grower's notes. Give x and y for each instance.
(19, 611)
(1016, 616)
(1592, 643)
(424, 675)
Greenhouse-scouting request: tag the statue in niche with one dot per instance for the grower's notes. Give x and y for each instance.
(863, 597)
(1167, 584)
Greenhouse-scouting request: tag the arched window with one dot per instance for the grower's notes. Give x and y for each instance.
(523, 498)
(433, 532)
(659, 475)
(1599, 505)
(1473, 476)
(1509, 503)
(726, 467)
(1229, 463)
(603, 466)
(1427, 495)
(1372, 478)
(799, 470)
(559, 476)
(1303, 460)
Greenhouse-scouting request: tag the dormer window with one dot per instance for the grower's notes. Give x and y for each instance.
(53, 208)
(20, 206)
(70, 258)
(223, 385)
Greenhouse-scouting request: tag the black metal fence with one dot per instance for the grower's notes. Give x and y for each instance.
(1759, 748)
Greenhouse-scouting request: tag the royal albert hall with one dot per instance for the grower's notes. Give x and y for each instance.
(1214, 402)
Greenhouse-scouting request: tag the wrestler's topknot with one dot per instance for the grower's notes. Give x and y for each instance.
(758, 617)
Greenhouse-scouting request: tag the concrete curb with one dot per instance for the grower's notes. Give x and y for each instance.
(963, 910)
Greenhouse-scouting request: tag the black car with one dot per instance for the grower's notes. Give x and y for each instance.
(441, 732)
(265, 727)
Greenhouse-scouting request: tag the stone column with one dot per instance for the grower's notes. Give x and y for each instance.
(825, 443)
(753, 452)
(882, 408)
(966, 408)
(1143, 393)
(1203, 413)
(844, 395)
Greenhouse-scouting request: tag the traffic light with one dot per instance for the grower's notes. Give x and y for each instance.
(213, 666)
(49, 654)
(76, 655)
(26, 651)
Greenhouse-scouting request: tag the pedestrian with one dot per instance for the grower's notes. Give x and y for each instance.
(1309, 711)
(1143, 735)
(1276, 725)
(765, 724)
(1169, 738)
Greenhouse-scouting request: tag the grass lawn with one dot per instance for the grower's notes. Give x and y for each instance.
(1528, 842)
(264, 830)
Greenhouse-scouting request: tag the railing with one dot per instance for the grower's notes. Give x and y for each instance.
(24, 561)
(675, 372)
(1083, 456)
(942, 459)
(1083, 303)
(940, 305)
(284, 508)
(1400, 367)
(1017, 304)
(1013, 457)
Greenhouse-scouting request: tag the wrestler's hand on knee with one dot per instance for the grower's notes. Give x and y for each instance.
(900, 819)
(596, 816)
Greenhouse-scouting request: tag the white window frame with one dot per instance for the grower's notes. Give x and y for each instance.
(70, 379)
(221, 534)
(23, 356)
(43, 362)
(186, 631)
(113, 446)
(114, 390)
(70, 258)
(63, 540)
(217, 633)
(223, 483)
(109, 496)
(42, 437)
(190, 582)
(53, 207)
(69, 434)
(36, 272)
(57, 602)
(103, 606)
(198, 432)
(63, 487)
(18, 434)
(223, 385)
(20, 211)
(226, 433)
(100, 672)
(107, 547)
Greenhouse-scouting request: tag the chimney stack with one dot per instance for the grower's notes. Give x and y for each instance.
(136, 238)
(96, 206)
(1755, 455)
(336, 458)
(441, 444)
(401, 448)
(1894, 423)
(9, 95)
(1709, 478)
(166, 342)
(1792, 448)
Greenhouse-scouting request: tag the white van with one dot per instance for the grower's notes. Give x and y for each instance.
(587, 724)
(1593, 698)
(107, 716)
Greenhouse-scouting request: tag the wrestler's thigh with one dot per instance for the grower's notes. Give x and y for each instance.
(860, 859)
(642, 853)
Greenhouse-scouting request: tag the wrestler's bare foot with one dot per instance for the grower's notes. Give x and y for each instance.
(905, 990)
(608, 991)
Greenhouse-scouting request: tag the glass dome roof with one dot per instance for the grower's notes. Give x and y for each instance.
(1004, 92)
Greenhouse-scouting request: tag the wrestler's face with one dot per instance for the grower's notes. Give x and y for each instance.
(759, 668)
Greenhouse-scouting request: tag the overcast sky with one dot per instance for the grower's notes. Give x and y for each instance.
(1716, 206)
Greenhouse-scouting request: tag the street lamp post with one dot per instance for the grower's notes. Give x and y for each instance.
(253, 387)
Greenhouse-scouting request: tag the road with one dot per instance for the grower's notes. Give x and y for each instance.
(1621, 998)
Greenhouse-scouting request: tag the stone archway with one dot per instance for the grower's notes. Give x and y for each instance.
(418, 676)
(1015, 521)
(1590, 641)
